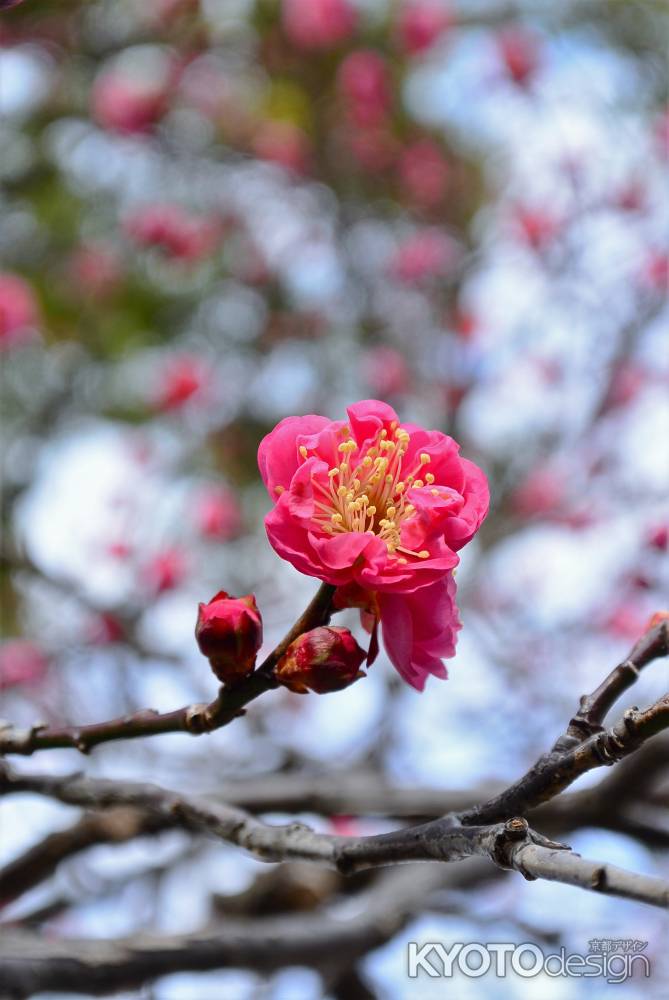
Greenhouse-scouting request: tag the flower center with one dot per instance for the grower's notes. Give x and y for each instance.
(370, 496)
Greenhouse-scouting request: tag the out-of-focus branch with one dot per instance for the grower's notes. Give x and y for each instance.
(194, 719)
(113, 826)
(127, 619)
(30, 963)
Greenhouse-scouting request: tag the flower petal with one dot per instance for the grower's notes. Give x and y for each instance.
(278, 455)
(368, 417)
(420, 629)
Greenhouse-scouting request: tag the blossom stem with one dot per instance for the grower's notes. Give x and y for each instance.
(194, 719)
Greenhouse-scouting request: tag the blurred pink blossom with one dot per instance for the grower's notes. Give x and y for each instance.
(658, 537)
(119, 550)
(465, 324)
(420, 23)
(105, 629)
(374, 148)
(386, 371)
(662, 133)
(126, 104)
(537, 227)
(542, 492)
(283, 143)
(165, 571)
(218, 513)
(655, 271)
(631, 197)
(22, 662)
(626, 384)
(364, 85)
(182, 378)
(520, 53)
(19, 311)
(424, 172)
(318, 24)
(178, 233)
(426, 254)
(95, 269)
(626, 620)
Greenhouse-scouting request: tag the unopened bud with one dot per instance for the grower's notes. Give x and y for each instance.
(229, 634)
(326, 659)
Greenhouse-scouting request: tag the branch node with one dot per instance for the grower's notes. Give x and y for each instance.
(196, 720)
(598, 881)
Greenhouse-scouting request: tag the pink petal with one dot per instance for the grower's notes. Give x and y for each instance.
(368, 417)
(278, 455)
(420, 629)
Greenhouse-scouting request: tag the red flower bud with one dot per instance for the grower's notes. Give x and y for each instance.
(229, 634)
(325, 659)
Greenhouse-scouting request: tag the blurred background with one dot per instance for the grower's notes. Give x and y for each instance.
(216, 214)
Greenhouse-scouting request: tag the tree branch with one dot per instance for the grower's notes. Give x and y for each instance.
(440, 840)
(38, 863)
(30, 963)
(576, 752)
(595, 706)
(194, 719)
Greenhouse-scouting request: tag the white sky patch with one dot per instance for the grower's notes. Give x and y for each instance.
(25, 77)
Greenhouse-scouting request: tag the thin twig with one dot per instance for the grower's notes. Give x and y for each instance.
(194, 719)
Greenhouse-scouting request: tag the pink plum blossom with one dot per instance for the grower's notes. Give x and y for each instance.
(536, 226)
(122, 103)
(386, 371)
(424, 172)
(177, 232)
(520, 53)
(165, 571)
(217, 513)
(655, 271)
(426, 254)
(382, 505)
(95, 269)
(283, 143)
(363, 82)
(420, 23)
(181, 379)
(374, 148)
(317, 24)
(658, 537)
(541, 493)
(22, 663)
(19, 312)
